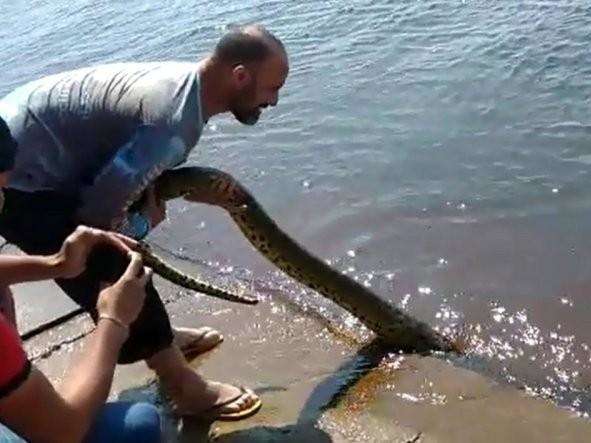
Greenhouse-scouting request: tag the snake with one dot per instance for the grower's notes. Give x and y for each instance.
(170, 273)
(212, 186)
(104, 263)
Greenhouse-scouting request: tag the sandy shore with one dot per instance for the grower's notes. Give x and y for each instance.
(315, 386)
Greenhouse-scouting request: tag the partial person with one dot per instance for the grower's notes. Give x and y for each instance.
(30, 407)
(92, 141)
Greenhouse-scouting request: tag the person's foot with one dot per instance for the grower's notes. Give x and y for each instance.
(196, 341)
(192, 395)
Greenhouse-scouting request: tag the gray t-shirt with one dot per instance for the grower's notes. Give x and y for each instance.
(71, 126)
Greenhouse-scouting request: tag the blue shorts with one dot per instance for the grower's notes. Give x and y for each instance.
(118, 422)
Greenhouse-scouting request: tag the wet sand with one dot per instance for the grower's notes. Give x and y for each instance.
(320, 386)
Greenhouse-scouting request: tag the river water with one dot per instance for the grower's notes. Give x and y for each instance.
(438, 151)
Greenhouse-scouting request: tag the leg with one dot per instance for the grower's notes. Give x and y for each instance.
(126, 423)
(150, 333)
(193, 395)
(20, 225)
(151, 336)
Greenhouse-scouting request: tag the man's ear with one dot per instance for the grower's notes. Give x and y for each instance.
(241, 76)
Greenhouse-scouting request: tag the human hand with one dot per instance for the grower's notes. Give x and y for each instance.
(123, 300)
(70, 261)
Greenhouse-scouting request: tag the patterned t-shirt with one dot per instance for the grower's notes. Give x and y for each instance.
(104, 131)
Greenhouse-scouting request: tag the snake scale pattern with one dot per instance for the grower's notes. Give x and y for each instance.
(172, 274)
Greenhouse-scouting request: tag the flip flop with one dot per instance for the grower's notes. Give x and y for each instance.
(201, 343)
(214, 413)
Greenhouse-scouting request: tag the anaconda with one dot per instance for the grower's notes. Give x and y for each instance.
(172, 274)
(215, 187)
(103, 254)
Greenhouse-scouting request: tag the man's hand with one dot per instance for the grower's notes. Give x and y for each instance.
(154, 208)
(123, 300)
(70, 261)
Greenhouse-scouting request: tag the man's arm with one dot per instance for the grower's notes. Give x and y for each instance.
(67, 416)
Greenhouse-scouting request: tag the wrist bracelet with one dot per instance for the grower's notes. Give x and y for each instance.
(114, 320)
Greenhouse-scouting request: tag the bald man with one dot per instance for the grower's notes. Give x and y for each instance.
(92, 139)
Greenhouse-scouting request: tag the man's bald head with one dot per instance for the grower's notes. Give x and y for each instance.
(248, 44)
(255, 66)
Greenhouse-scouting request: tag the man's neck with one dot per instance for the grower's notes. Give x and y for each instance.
(212, 90)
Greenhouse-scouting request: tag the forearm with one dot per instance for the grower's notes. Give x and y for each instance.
(27, 268)
(88, 381)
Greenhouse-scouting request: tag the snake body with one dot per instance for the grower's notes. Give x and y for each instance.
(172, 274)
(105, 263)
(215, 187)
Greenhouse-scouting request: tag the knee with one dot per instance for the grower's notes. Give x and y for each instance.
(143, 424)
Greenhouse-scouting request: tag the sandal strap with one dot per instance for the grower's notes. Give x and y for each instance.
(242, 393)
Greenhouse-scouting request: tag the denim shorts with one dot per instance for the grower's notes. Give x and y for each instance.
(117, 422)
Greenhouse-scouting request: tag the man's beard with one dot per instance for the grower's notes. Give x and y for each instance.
(242, 109)
(1, 200)
(247, 117)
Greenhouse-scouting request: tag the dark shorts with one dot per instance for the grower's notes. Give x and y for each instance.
(38, 223)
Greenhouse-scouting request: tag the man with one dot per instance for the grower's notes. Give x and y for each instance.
(29, 404)
(92, 140)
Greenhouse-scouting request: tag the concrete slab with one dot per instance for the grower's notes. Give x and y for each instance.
(298, 367)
